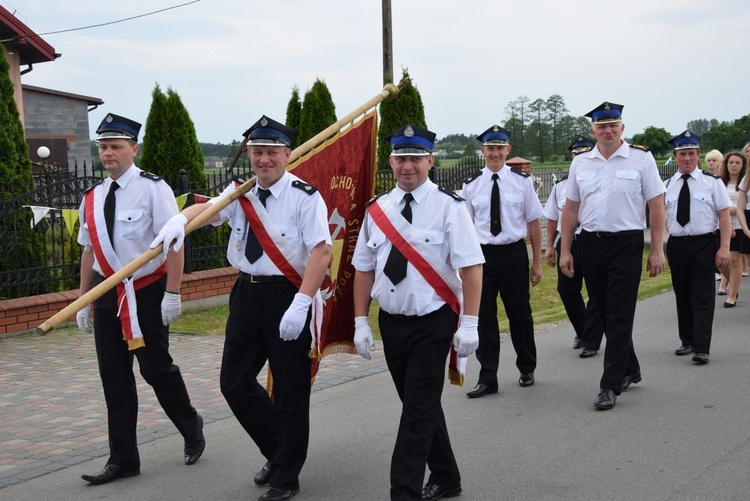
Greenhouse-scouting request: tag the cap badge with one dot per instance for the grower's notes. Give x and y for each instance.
(109, 119)
(496, 128)
(687, 134)
(607, 108)
(408, 132)
(264, 122)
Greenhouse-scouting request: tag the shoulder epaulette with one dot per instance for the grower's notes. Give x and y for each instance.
(640, 147)
(94, 186)
(450, 193)
(238, 180)
(584, 150)
(301, 185)
(562, 179)
(519, 172)
(377, 196)
(473, 177)
(148, 175)
(706, 173)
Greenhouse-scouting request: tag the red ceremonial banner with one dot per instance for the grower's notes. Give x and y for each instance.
(343, 171)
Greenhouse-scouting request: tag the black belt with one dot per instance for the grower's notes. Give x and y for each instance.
(692, 238)
(605, 234)
(263, 279)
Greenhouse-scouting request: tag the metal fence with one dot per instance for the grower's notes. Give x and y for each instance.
(43, 256)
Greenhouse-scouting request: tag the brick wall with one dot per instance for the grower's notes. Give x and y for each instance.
(24, 314)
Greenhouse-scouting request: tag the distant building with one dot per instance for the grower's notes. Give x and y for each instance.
(213, 162)
(59, 121)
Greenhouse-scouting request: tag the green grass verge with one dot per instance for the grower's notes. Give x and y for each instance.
(545, 305)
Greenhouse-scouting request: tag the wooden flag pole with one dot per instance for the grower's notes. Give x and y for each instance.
(129, 269)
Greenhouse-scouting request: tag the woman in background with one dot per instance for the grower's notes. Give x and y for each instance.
(734, 168)
(713, 161)
(713, 166)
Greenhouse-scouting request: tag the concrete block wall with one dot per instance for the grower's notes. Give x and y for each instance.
(59, 116)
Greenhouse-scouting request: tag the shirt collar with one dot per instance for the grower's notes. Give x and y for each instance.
(418, 193)
(126, 177)
(277, 187)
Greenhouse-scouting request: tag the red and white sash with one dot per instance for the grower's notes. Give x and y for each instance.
(110, 264)
(422, 256)
(284, 257)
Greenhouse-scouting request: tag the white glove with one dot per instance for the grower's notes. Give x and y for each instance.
(295, 317)
(363, 337)
(466, 340)
(174, 229)
(83, 319)
(171, 307)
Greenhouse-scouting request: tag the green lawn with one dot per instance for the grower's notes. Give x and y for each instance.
(545, 304)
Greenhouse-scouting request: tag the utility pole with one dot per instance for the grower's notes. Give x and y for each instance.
(387, 43)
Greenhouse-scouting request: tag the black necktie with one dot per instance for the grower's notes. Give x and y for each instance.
(253, 249)
(496, 225)
(683, 202)
(109, 211)
(395, 266)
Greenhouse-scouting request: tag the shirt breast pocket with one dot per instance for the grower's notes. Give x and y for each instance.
(480, 201)
(376, 241)
(586, 182)
(626, 180)
(131, 224)
(513, 203)
(703, 203)
(289, 232)
(432, 237)
(670, 203)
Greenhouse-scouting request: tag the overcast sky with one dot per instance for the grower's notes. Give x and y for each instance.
(667, 61)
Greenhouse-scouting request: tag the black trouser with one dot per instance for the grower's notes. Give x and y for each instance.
(416, 349)
(612, 270)
(583, 316)
(506, 271)
(279, 427)
(118, 380)
(692, 261)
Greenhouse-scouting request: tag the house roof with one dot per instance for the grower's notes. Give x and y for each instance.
(16, 35)
(91, 101)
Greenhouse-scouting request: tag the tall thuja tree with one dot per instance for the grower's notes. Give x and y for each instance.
(153, 142)
(406, 108)
(318, 112)
(20, 247)
(293, 114)
(170, 142)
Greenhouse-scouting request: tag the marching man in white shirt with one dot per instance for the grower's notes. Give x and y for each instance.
(418, 256)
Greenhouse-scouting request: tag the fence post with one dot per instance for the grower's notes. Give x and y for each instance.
(182, 188)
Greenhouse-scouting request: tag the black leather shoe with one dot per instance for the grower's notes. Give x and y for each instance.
(274, 493)
(526, 379)
(683, 350)
(481, 390)
(605, 400)
(700, 358)
(264, 475)
(587, 352)
(435, 491)
(194, 447)
(577, 343)
(112, 472)
(631, 379)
